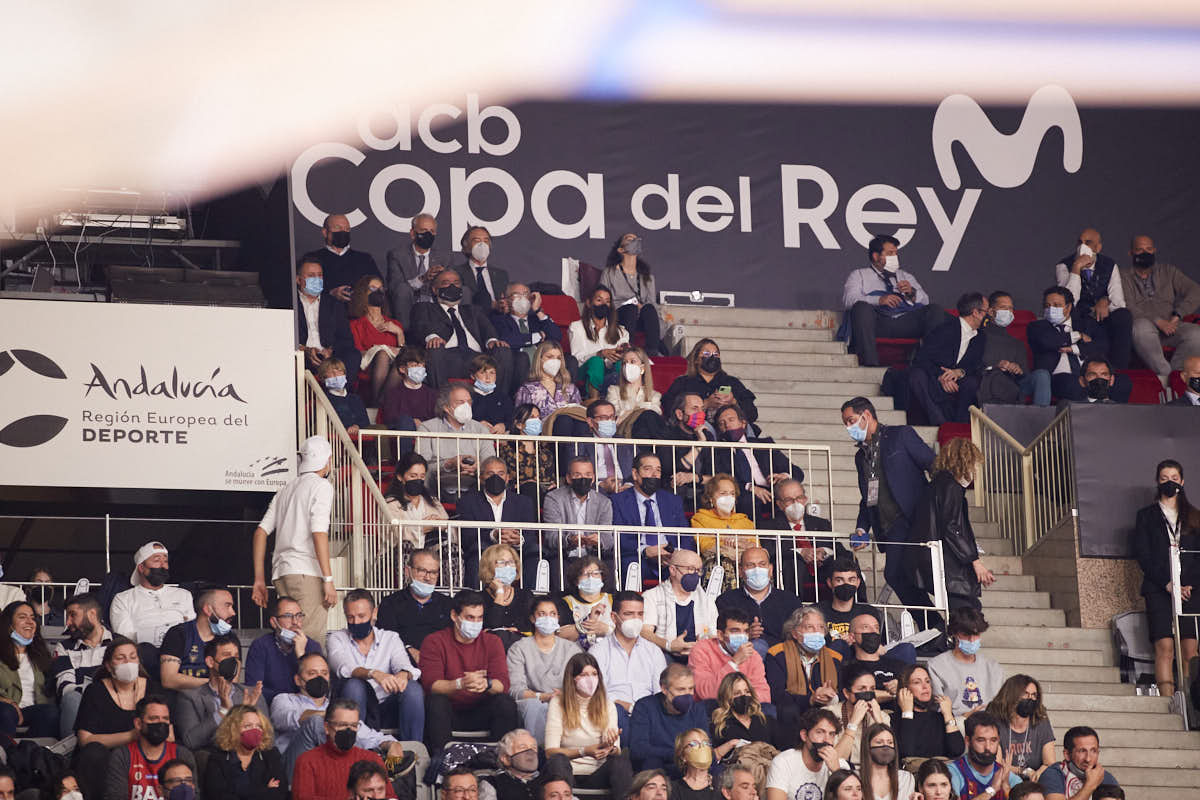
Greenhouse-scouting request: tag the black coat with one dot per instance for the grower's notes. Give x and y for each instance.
(1151, 546)
(942, 515)
(431, 318)
(1045, 340)
(220, 776)
(940, 347)
(334, 329)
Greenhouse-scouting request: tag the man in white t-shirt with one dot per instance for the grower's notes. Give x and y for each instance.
(145, 612)
(801, 773)
(299, 512)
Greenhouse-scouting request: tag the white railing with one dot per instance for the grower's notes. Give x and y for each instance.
(1181, 618)
(1027, 491)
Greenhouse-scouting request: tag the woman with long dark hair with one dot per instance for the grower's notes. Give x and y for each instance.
(598, 340)
(927, 727)
(582, 736)
(633, 290)
(881, 774)
(409, 498)
(24, 659)
(105, 719)
(1170, 521)
(1025, 731)
(934, 781)
(707, 377)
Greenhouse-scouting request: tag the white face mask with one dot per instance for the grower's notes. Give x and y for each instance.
(795, 511)
(631, 628)
(521, 305)
(633, 372)
(551, 366)
(462, 413)
(891, 263)
(126, 672)
(1004, 317)
(480, 251)
(1084, 250)
(725, 503)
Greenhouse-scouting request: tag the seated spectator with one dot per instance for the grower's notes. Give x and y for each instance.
(679, 612)
(926, 727)
(1098, 384)
(693, 758)
(63, 786)
(756, 471)
(324, 331)
(865, 644)
(1060, 343)
(376, 335)
(706, 378)
(379, 676)
(944, 377)
(496, 503)
(530, 463)
(1026, 737)
(613, 462)
(803, 770)
(351, 410)
(24, 659)
(757, 597)
(454, 333)
(410, 266)
(409, 499)
(843, 784)
(1007, 377)
(1108, 791)
(881, 774)
(933, 780)
(1190, 374)
(77, 658)
(517, 755)
(796, 556)
(507, 605)
(658, 720)
(484, 283)
(274, 658)
(582, 734)
(524, 326)
(465, 675)
(598, 341)
(134, 769)
(727, 653)
(536, 664)
(8, 783)
(454, 465)
(648, 505)
(299, 716)
(585, 606)
(576, 502)
(685, 468)
(43, 597)
(634, 389)
(738, 719)
(493, 408)
(460, 783)
(650, 784)
(145, 612)
(410, 400)
(968, 679)
(323, 772)
(368, 780)
(633, 290)
(244, 763)
(840, 603)
(106, 713)
(631, 664)
(984, 770)
(1080, 773)
(549, 386)
(801, 670)
(1028, 790)
(716, 510)
(343, 264)
(738, 783)
(198, 710)
(1095, 280)
(417, 610)
(943, 516)
(181, 661)
(857, 709)
(883, 301)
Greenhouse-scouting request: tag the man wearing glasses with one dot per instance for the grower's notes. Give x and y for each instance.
(274, 657)
(323, 773)
(177, 772)
(417, 610)
(460, 784)
(679, 612)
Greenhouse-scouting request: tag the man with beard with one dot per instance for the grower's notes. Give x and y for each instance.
(983, 771)
(76, 658)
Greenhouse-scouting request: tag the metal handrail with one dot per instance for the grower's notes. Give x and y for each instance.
(1177, 617)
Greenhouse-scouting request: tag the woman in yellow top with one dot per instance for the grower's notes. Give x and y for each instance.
(719, 500)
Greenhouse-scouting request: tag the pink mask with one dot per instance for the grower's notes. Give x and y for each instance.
(586, 684)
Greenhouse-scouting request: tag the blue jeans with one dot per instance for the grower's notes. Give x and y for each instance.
(533, 717)
(1037, 384)
(405, 711)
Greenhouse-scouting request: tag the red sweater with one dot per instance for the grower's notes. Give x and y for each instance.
(444, 658)
(322, 772)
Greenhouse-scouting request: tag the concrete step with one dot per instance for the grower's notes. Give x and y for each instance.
(1077, 688)
(1187, 779)
(995, 546)
(1158, 792)
(1105, 721)
(1003, 565)
(782, 357)
(729, 336)
(1014, 583)
(769, 419)
(999, 599)
(780, 383)
(758, 317)
(1065, 672)
(754, 343)
(1041, 657)
(829, 402)
(1072, 640)
(1143, 739)
(846, 374)
(1164, 758)
(1030, 617)
(1142, 705)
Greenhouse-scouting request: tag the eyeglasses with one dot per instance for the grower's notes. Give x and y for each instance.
(686, 570)
(506, 562)
(299, 616)
(424, 572)
(595, 573)
(171, 783)
(470, 791)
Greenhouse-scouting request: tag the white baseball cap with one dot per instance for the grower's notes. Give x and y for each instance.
(314, 454)
(144, 552)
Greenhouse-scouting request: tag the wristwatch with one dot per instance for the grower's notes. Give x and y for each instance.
(327, 578)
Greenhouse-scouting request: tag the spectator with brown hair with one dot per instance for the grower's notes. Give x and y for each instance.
(597, 340)
(350, 408)
(633, 290)
(1025, 731)
(244, 763)
(967, 678)
(717, 510)
(24, 660)
(411, 399)
(706, 378)
(803, 771)
(582, 733)
(549, 384)
(490, 406)
(376, 335)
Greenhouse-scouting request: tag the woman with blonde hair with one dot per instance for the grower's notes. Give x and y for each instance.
(581, 731)
(244, 763)
(549, 386)
(694, 758)
(507, 606)
(634, 388)
(738, 718)
(717, 511)
(942, 515)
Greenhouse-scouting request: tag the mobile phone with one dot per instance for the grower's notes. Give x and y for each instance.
(468, 460)
(725, 389)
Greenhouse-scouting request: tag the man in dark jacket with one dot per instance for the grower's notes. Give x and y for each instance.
(1060, 344)
(1094, 281)
(754, 470)
(1007, 377)
(408, 265)
(513, 507)
(944, 377)
(794, 561)
(322, 330)
(517, 754)
(454, 332)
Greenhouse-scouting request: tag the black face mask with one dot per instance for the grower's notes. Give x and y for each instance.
(316, 687)
(494, 485)
(845, 591)
(1194, 384)
(227, 668)
(424, 239)
(814, 749)
(867, 696)
(870, 642)
(581, 486)
(339, 239)
(985, 759)
(1026, 708)
(414, 487)
(600, 312)
(450, 293)
(733, 434)
(156, 732)
(650, 485)
(375, 298)
(157, 576)
(710, 363)
(741, 704)
(1143, 260)
(345, 738)
(359, 630)
(1169, 488)
(1097, 389)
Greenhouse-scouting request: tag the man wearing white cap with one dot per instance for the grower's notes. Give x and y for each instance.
(145, 612)
(299, 512)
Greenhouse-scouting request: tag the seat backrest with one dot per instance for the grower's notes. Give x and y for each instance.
(561, 308)
(666, 370)
(1176, 383)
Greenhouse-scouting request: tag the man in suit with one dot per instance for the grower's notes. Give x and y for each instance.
(1094, 281)
(811, 557)
(944, 376)
(455, 333)
(497, 503)
(408, 268)
(754, 470)
(452, 462)
(522, 324)
(1096, 384)
(485, 285)
(1061, 342)
(198, 710)
(343, 265)
(649, 506)
(613, 462)
(891, 463)
(578, 502)
(322, 328)
(1191, 379)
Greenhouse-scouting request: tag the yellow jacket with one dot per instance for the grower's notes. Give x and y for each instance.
(707, 518)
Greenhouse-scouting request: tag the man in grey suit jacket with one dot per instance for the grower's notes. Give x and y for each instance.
(407, 277)
(483, 285)
(199, 710)
(576, 502)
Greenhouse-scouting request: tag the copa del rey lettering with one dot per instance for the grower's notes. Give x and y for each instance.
(173, 388)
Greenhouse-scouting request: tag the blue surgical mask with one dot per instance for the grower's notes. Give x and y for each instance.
(416, 374)
(1004, 317)
(335, 382)
(736, 641)
(21, 640)
(420, 588)
(814, 641)
(506, 575)
(757, 578)
(286, 635)
(219, 626)
(969, 647)
(484, 388)
(547, 626)
(1054, 315)
(314, 286)
(607, 428)
(533, 426)
(470, 629)
(858, 431)
(591, 585)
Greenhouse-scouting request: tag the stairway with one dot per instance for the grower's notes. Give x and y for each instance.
(801, 376)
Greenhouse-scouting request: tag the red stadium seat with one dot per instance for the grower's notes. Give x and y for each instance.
(895, 352)
(666, 370)
(953, 430)
(564, 310)
(1176, 382)
(1147, 390)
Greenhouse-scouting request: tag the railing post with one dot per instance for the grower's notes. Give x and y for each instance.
(1027, 502)
(357, 543)
(977, 438)
(107, 544)
(939, 576)
(301, 403)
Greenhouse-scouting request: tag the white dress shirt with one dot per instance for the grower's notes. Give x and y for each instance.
(481, 272)
(471, 344)
(144, 614)
(1064, 361)
(964, 341)
(287, 708)
(584, 348)
(387, 654)
(1069, 280)
(629, 677)
(421, 260)
(756, 473)
(312, 318)
(299, 509)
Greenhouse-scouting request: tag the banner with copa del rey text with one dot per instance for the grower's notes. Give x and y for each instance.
(146, 396)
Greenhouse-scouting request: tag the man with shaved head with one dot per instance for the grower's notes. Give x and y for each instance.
(1191, 379)
(409, 267)
(757, 596)
(1095, 282)
(342, 265)
(1159, 297)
